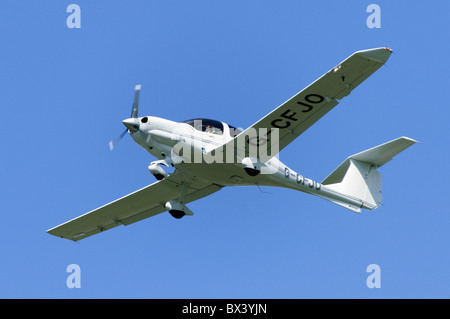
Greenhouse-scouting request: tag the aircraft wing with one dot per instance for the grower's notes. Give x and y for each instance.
(146, 202)
(298, 113)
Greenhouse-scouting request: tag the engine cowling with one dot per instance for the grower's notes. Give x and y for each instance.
(157, 171)
(252, 166)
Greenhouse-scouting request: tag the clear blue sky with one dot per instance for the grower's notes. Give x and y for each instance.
(64, 93)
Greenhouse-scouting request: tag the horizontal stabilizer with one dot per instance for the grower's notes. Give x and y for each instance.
(348, 206)
(351, 207)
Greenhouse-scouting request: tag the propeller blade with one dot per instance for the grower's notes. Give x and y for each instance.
(134, 114)
(114, 142)
(134, 111)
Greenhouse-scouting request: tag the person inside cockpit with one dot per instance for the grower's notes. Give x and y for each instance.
(210, 129)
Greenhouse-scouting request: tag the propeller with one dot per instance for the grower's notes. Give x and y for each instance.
(134, 114)
(134, 111)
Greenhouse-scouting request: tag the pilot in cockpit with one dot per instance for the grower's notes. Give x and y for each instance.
(210, 129)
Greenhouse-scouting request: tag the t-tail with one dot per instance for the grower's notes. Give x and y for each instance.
(356, 183)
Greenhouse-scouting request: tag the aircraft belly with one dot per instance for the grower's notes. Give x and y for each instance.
(231, 175)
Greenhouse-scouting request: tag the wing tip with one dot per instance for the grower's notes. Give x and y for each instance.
(380, 55)
(411, 140)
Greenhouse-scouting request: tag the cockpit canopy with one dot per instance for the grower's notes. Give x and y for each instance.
(206, 125)
(211, 126)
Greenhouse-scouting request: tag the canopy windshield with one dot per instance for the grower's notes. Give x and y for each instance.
(206, 125)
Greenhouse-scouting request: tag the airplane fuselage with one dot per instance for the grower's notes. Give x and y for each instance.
(160, 137)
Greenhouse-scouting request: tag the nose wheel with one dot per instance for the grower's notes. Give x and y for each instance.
(157, 171)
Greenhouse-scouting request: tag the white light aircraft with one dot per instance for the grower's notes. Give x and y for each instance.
(226, 156)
